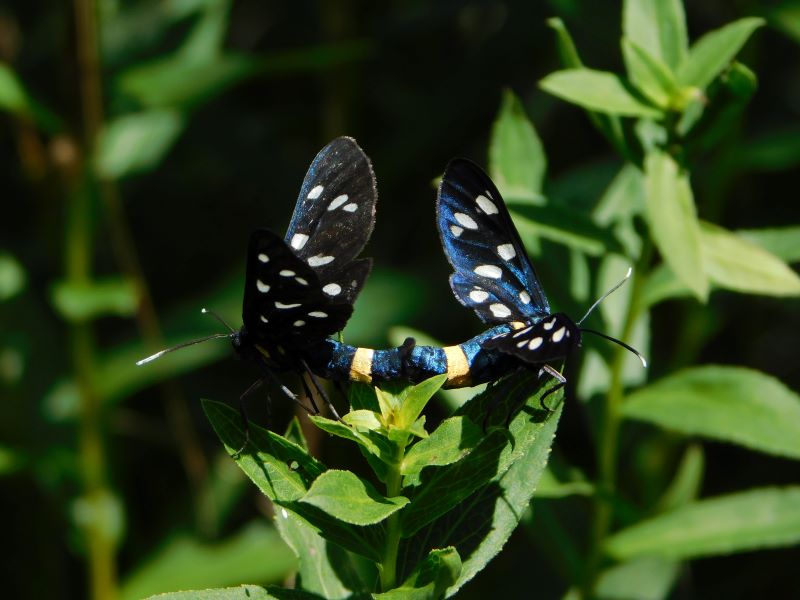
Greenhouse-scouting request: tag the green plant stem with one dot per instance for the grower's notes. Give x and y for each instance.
(389, 564)
(608, 440)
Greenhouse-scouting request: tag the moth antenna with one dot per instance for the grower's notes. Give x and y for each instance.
(630, 349)
(206, 311)
(161, 353)
(607, 294)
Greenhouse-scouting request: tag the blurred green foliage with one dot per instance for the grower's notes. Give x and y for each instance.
(142, 141)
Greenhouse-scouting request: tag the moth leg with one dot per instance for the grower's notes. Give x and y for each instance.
(286, 391)
(320, 391)
(562, 381)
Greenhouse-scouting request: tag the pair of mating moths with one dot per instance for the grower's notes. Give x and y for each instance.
(300, 289)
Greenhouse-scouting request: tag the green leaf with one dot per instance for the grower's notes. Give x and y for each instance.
(344, 496)
(551, 487)
(242, 592)
(137, 142)
(599, 91)
(517, 162)
(444, 487)
(783, 242)
(78, 302)
(450, 442)
(257, 553)
(179, 82)
(479, 525)
(714, 51)
(685, 486)
(672, 218)
(430, 579)
(12, 277)
(659, 27)
(649, 578)
(608, 125)
(650, 76)
(564, 226)
(662, 284)
(731, 404)
(415, 398)
(733, 263)
(325, 568)
(739, 522)
(565, 44)
(13, 97)
(281, 469)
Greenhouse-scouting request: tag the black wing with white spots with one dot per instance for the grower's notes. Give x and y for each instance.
(493, 274)
(334, 217)
(283, 298)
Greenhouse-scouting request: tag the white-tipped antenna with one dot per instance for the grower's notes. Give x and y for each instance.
(206, 311)
(213, 336)
(606, 295)
(630, 349)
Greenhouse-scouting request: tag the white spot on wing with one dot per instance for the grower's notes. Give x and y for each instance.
(486, 205)
(282, 305)
(491, 271)
(263, 257)
(262, 287)
(456, 230)
(506, 251)
(319, 260)
(315, 192)
(352, 207)
(478, 296)
(549, 325)
(500, 310)
(318, 314)
(263, 319)
(535, 343)
(286, 273)
(559, 334)
(465, 220)
(525, 297)
(332, 289)
(299, 323)
(337, 202)
(301, 281)
(522, 332)
(522, 343)
(298, 240)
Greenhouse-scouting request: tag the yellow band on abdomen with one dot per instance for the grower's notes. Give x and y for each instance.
(361, 367)
(457, 366)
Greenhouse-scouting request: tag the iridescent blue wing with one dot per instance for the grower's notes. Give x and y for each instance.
(334, 217)
(493, 275)
(284, 301)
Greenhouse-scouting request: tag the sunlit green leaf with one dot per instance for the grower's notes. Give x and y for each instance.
(599, 91)
(659, 27)
(648, 578)
(12, 277)
(733, 263)
(714, 51)
(517, 162)
(739, 522)
(672, 218)
(732, 404)
(648, 74)
(783, 242)
(84, 301)
(257, 553)
(242, 592)
(344, 496)
(12, 94)
(565, 44)
(137, 142)
(430, 579)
